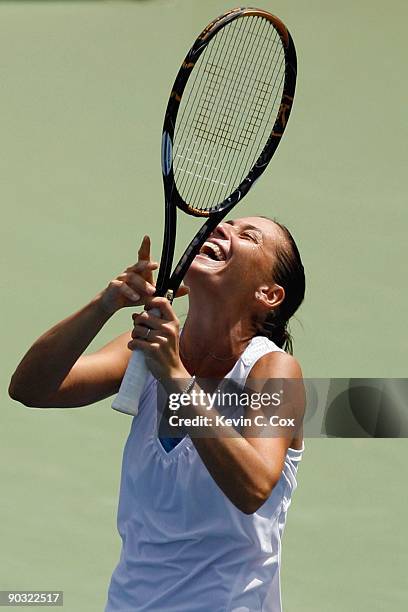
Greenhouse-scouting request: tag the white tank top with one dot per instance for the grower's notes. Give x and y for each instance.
(185, 546)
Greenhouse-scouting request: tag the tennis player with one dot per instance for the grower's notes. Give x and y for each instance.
(201, 518)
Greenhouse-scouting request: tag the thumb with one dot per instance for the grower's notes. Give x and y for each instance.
(182, 290)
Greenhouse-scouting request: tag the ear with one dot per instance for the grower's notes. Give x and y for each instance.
(270, 296)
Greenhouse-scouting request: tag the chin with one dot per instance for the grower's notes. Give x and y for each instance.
(203, 272)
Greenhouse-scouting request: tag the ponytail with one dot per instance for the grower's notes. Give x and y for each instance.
(277, 331)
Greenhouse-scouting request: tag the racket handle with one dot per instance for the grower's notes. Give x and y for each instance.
(127, 400)
(133, 382)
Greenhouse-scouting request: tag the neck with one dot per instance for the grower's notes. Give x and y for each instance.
(213, 339)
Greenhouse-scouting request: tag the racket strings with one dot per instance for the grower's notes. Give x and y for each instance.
(228, 111)
(216, 132)
(212, 56)
(220, 133)
(191, 101)
(239, 97)
(212, 59)
(275, 107)
(223, 127)
(256, 109)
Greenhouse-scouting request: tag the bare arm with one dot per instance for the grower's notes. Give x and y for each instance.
(247, 468)
(55, 373)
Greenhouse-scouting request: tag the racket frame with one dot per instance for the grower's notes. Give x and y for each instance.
(128, 398)
(167, 282)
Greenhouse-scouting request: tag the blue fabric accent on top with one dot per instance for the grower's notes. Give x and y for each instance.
(169, 443)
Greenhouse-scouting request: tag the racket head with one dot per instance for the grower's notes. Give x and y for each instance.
(227, 111)
(225, 85)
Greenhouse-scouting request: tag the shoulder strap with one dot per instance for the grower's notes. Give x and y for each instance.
(257, 348)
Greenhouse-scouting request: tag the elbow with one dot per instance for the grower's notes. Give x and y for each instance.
(13, 390)
(18, 394)
(252, 505)
(254, 500)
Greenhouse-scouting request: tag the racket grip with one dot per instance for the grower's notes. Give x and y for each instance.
(127, 400)
(133, 382)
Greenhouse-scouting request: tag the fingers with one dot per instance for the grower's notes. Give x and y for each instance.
(137, 283)
(147, 319)
(142, 265)
(146, 338)
(147, 347)
(161, 328)
(129, 287)
(147, 334)
(166, 309)
(134, 286)
(129, 293)
(144, 250)
(120, 287)
(150, 328)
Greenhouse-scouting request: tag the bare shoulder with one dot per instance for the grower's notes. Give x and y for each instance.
(276, 365)
(286, 369)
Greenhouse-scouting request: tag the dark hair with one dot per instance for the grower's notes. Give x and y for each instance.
(288, 272)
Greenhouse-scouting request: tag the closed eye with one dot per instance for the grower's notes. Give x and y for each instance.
(250, 236)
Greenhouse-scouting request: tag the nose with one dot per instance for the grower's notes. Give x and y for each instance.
(222, 231)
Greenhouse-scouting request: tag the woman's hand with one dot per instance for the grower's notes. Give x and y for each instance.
(158, 338)
(134, 285)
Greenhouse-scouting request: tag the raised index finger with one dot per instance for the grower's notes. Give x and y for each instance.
(144, 250)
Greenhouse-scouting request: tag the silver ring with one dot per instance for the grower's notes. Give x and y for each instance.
(145, 337)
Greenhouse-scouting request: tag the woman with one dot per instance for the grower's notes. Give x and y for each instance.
(201, 518)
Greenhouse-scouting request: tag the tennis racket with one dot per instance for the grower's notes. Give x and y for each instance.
(226, 115)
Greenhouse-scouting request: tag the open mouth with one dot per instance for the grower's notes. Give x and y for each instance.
(212, 251)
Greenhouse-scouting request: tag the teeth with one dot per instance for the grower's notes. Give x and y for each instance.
(219, 256)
